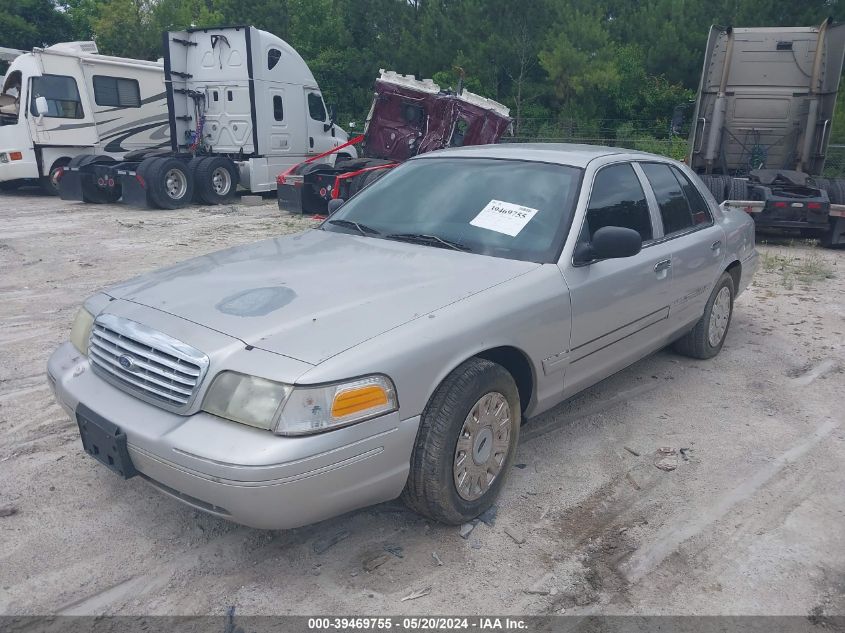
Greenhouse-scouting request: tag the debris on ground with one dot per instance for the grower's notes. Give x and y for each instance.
(396, 550)
(437, 559)
(8, 510)
(374, 562)
(684, 453)
(322, 545)
(251, 201)
(417, 594)
(515, 534)
(631, 450)
(488, 517)
(466, 530)
(666, 459)
(632, 481)
(520, 466)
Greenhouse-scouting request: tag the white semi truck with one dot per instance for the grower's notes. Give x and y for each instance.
(60, 102)
(242, 107)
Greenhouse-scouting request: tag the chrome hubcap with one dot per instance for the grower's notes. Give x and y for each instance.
(482, 446)
(176, 184)
(221, 181)
(719, 317)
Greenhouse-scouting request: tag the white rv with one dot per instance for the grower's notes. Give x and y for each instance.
(66, 100)
(243, 107)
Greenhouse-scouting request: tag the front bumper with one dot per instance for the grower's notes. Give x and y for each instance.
(264, 481)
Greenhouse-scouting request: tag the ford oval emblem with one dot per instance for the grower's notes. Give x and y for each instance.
(127, 362)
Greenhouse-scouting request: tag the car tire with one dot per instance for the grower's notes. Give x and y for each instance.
(169, 182)
(454, 449)
(705, 340)
(215, 180)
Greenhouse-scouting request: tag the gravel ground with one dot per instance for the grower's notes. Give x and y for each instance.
(749, 522)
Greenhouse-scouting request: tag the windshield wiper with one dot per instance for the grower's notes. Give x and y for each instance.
(428, 240)
(363, 229)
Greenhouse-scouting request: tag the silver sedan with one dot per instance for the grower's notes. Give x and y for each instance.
(396, 349)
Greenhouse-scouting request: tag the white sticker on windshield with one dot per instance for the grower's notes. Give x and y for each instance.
(503, 217)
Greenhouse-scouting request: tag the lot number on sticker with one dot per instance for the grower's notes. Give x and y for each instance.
(503, 217)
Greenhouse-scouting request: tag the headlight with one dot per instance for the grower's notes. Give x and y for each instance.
(246, 399)
(292, 410)
(81, 330)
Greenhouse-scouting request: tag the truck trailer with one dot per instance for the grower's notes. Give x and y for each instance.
(762, 125)
(408, 116)
(67, 100)
(242, 106)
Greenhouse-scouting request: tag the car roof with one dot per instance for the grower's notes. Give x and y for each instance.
(573, 154)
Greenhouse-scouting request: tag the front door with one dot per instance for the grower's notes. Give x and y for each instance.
(320, 139)
(620, 306)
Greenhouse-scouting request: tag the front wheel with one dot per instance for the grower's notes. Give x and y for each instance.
(50, 183)
(466, 443)
(705, 340)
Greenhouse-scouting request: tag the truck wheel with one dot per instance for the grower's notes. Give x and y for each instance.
(738, 189)
(50, 183)
(715, 185)
(216, 180)
(835, 237)
(836, 193)
(466, 443)
(705, 340)
(169, 182)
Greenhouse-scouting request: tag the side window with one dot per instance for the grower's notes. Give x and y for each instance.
(700, 211)
(278, 108)
(681, 206)
(62, 96)
(617, 199)
(273, 57)
(116, 92)
(316, 109)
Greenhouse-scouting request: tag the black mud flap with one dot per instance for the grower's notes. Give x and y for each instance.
(290, 197)
(104, 441)
(70, 184)
(134, 193)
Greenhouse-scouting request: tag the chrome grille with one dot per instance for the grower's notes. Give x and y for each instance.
(149, 364)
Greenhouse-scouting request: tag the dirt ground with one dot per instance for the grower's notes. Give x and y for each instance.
(749, 522)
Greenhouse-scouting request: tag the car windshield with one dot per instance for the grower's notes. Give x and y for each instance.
(505, 208)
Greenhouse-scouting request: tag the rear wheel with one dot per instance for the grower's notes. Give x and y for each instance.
(738, 189)
(50, 183)
(705, 340)
(716, 186)
(466, 443)
(169, 182)
(215, 180)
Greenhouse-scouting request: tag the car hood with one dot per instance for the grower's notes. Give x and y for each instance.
(313, 295)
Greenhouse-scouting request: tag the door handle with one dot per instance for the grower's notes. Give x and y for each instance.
(715, 246)
(663, 264)
(311, 141)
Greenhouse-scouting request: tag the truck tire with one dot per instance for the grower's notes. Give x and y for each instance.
(837, 189)
(169, 182)
(215, 180)
(716, 186)
(835, 237)
(50, 183)
(738, 189)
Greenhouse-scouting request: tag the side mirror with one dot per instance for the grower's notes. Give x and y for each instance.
(610, 242)
(335, 204)
(332, 118)
(41, 106)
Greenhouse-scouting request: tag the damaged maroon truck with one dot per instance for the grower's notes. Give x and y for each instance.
(408, 117)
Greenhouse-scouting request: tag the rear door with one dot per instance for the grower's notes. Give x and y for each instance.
(619, 306)
(694, 240)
